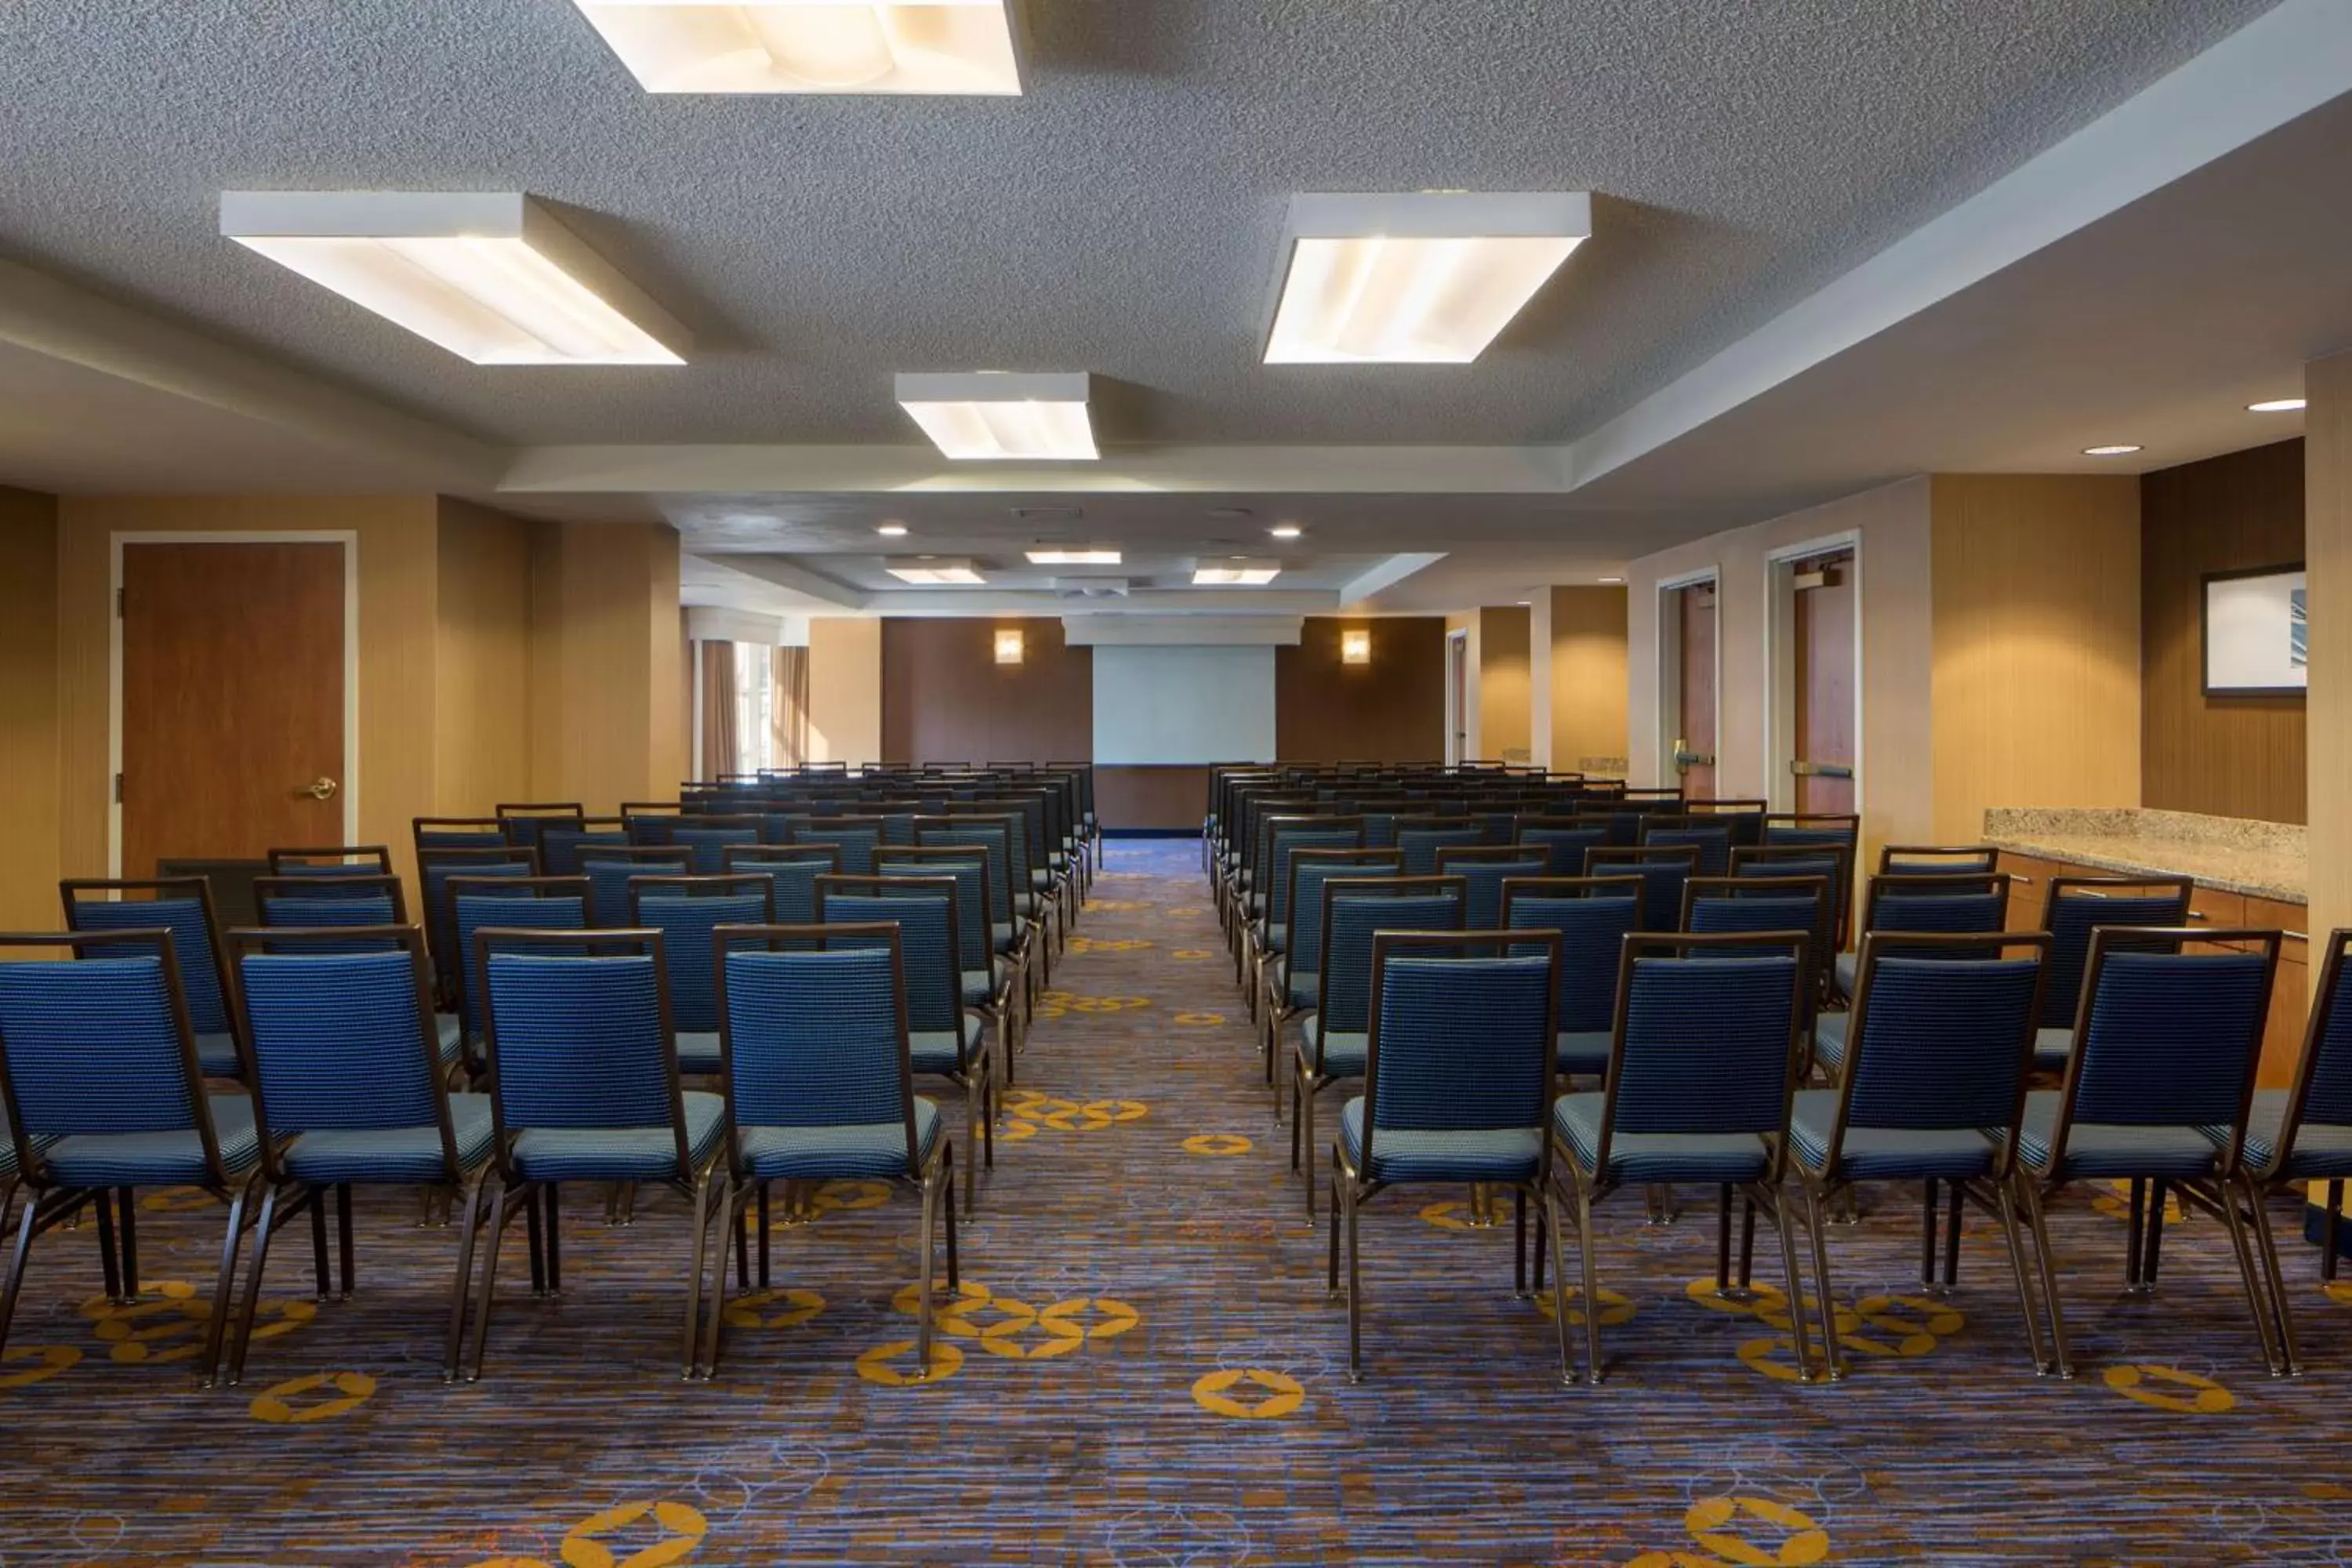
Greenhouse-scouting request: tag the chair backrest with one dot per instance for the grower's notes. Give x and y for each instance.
(1419, 844)
(1563, 841)
(1942, 1035)
(433, 869)
(1310, 869)
(1320, 833)
(1936, 902)
(332, 901)
(610, 867)
(1663, 869)
(1722, 905)
(526, 821)
(1707, 1046)
(341, 1040)
(181, 905)
(2321, 1094)
(2167, 1038)
(815, 1036)
(929, 939)
(1711, 839)
(1593, 915)
(687, 911)
(1459, 1040)
(791, 870)
(1834, 861)
(561, 844)
(1354, 908)
(536, 903)
(1745, 818)
(651, 821)
(458, 833)
(2078, 907)
(1485, 868)
(1005, 830)
(974, 912)
(99, 1047)
(1792, 829)
(577, 1032)
(708, 838)
(855, 836)
(1933, 859)
(333, 861)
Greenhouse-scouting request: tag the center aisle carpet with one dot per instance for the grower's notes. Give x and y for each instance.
(1144, 1371)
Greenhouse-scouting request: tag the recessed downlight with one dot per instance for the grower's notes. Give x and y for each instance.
(1286, 531)
(2277, 405)
(813, 45)
(2112, 450)
(891, 529)
(1607, 579)
(979, 416)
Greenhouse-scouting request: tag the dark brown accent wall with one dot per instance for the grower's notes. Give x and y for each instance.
(946, 698)
(1390, 710)
(2231, 756)
(1156, 797)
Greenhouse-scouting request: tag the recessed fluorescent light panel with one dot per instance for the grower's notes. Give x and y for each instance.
(2277, 405)
(492, 277)
(1426, 279)
(983, 416)
(1074, 557)
(2112, 450)
(933, 571)
(1239, 572)
(813, 46)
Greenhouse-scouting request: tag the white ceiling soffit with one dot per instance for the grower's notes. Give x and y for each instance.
(1181, 631)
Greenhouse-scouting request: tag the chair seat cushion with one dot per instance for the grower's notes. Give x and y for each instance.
(1303, 990)
(1343, 1053)
(697, 1052)
(832, 1153)
(1006, 934)
(980, 985)
(1847, 966)
(1829, 1040)
(1576, 1051)
(392, 1154)
(2097, 1149)
(2050, 1049)
(619, 1154)
(450, 1030)
(1499, 1155)
(2322, 1152)
(1655, 1156)
(157, 1158)
(1886, 1153)
(1273, 939)
(935, 1051)
(216, 1054)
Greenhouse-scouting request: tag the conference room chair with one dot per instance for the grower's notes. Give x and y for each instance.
(183, 906)
(991, 982)
(1942, 1040)
(609, 868)
(1333, 1037)
(1722, 905)
(1029, 912)
(1788, 829)
(2303, 1134)
(651, 821)
(563, 845)
(1457, 1090)
(1009, 933)
(1662, 868)
(99, 1066)
(349, 1091)
(1563, 839)
(1046, 881)
(526, 822)
(945, 1038)
(707, 837)
(1291, 980)
(1419, 842)
(433, 869)
(1485, 868)
(1693, 1103)
(311, 902)
(1899, 906)
(584, 1086)
(1592, 916)
(856, 838)
(820, 1086)
(333, 861)
(2158, 1081)
(539, 903)
(688, 909)
(2076, 910)
(791, 870)
(1938, 859)
(1745, 818)
(1711, 839)
(1267, 931)
(1830, 859)
(458, 833)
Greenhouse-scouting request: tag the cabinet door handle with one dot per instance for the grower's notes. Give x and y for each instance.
(2197, 915)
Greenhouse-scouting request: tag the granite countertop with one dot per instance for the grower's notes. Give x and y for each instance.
(2238, 855)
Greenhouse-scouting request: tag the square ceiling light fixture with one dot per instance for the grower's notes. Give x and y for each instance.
(1008, 644)
(814, 46)
(993, 415)
(1422, 278)
(1079, 556)
(1238, 572)
(933, 571)
(491, 276)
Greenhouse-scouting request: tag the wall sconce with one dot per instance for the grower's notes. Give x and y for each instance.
(1008, 646)
(1356, 648)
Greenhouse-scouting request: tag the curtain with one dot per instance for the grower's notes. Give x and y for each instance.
(788, 706)
(718, 678)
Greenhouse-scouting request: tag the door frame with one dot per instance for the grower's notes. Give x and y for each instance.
(1780, 666)
(347, 537)
(1457, 694)
(1669, 658)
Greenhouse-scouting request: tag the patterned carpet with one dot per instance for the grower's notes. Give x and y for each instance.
(1147, 1374)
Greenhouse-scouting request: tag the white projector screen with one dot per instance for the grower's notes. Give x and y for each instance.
(1178, 705)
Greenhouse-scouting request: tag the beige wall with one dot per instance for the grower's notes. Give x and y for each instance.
(1506, 710)
(2036, 699)
(1892, 527)
(608, 712)
(28, 710)
(1580, 672)
(2327, 554)
(481, 678)
(846, 690)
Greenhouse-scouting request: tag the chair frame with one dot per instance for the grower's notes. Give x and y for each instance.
(1599, 856)
(292, 888)
(382, 853)
(1274, 1009)
(1001, 1009)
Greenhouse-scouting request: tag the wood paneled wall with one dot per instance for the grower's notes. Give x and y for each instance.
(845, 689)
(28, 710)
(1587, 678)
(1506, 710)
(1390, 710)
(481, 675)
(2229, 756)
(946, 698)
(1151, 798)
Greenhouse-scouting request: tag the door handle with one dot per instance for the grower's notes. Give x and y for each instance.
(1821, 770)
(1686, 759)
(320, 788)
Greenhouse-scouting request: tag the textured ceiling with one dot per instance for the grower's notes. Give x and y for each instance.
(1121, 218)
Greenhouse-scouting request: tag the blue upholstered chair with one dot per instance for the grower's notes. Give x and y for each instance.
(349, 1091)
(1832, 860)
(1592, 916)
(584, 1088)
(1711, 839)
(1292, 978)
(649, 823)
(435, 867)
(791, 870)
(1485, 868)
(352, 899)
(333, 861)
(561, 844)
(945, 1038)
(1938, 860)
(1022, 930)
(1812, 829)
(2159, 1078)
(2303, 1134)
(610, 867)
(1334, 1038)
(708, 838)
(1457, 1088)
(99, 1070)
(183, 906)
(856, 838)
(1419, 842)
(2077, 906)
(1267, 933)
(687, 910)
(1745, 818)
(990, 979)
(1943, 1043)
(820, 1084)
(1915, 904)
(539, 904)
(1701, 1073)
(1563, 841)
(526, 823)
(458, 833)
(1662, 869)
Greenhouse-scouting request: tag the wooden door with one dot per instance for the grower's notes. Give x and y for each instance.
(1695, 734)
(232, 700)
(1825, 677)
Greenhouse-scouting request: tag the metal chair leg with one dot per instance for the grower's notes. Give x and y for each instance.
(764, 1232)
(2330, 1221)
(2063, 1361)
(497, 1228)
(16, 1258)
(2152, 1239)
(948, 1225)
(126, 1239)
(1833, 1352)
(1548, 1222)
(693, 1273)
(547, 1194)
(241, 1337)
(1952, 1237)
(1783, 1226)
(1354, 1286)
(344, 1250)
(2017, 1268)
(2281, 1311)
(2255, 1292)
(455, 1346)
(224, 1282)
(1332, 1277)
(923, 1307)
(1584, 1241)
(109, 1255)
